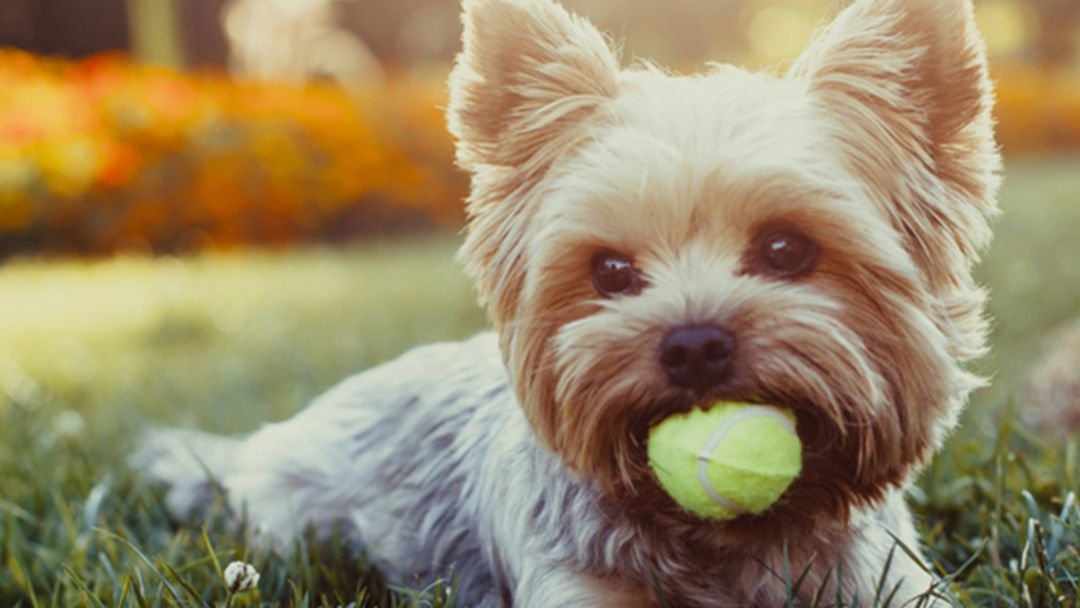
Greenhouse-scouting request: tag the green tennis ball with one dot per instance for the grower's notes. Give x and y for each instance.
(728, 460)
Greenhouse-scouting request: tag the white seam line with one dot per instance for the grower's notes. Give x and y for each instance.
(718, 435)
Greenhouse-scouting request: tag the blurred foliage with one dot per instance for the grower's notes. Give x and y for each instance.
(102, 154)
(1038, 110)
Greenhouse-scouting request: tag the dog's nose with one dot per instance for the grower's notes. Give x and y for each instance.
(697, 357)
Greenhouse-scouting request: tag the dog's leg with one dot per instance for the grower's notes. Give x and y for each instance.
(283, 477)
(889, 536)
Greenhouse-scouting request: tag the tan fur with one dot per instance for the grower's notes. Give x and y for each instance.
(878, 144)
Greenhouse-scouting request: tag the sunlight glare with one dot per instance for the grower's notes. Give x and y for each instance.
(780, 32)
(1008, 26)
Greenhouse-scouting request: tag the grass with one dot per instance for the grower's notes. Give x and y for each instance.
(92, 351)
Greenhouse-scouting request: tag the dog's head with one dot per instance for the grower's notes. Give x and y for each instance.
(647, 242)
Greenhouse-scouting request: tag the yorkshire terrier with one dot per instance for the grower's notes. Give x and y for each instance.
(646, 242)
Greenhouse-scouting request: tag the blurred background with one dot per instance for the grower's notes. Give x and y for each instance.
(168, 126)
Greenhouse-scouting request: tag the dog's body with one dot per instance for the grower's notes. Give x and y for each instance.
(428, 463)
(646, 243)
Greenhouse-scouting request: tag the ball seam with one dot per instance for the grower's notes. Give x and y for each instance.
(718, 435)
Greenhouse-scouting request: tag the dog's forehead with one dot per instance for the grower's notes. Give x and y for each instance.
(726, 110)
(684, 153)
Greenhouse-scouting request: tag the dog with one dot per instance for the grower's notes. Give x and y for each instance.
(644, 243)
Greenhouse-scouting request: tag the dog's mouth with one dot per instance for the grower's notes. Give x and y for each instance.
(812, 426)
(815, 430)
(685, 402)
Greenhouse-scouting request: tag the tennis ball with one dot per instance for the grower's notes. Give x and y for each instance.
(728, 460)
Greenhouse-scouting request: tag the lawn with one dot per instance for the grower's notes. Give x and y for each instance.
(92, 351)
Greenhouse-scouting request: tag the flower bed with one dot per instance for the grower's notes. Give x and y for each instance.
(101, 155)
(1037, 110)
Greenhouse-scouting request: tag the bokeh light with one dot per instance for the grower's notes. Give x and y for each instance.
(1008, 26)
(780, 31)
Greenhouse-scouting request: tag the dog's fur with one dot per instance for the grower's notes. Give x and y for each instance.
(515, 459)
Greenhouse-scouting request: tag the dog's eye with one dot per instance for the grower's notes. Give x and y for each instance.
(787, 253)
(614, 275)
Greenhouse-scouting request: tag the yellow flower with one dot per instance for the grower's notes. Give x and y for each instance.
(68, 166)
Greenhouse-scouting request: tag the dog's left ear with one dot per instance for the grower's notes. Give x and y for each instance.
(529, 76)
(906, 82)
(529, 82)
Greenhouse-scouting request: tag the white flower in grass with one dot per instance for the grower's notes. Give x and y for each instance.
(240, 577)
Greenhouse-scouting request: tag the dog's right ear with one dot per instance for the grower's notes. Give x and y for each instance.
(529, 74)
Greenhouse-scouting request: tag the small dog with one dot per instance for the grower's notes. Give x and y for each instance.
(646, 242)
